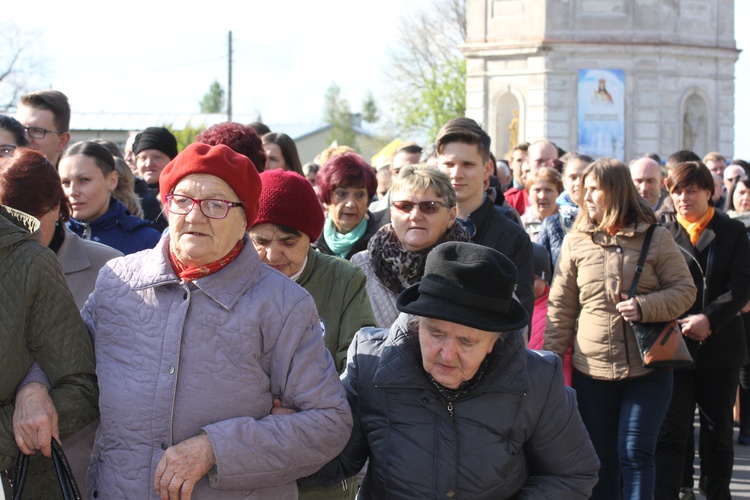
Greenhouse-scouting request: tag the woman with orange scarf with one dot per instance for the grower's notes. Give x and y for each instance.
(717, 251)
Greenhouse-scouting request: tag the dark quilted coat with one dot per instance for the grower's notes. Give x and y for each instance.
(40, 321)
(517, 434)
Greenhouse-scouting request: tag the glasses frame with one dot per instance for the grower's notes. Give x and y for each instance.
(420, 205)
(7, 146)
(38, 130)
(199, 202)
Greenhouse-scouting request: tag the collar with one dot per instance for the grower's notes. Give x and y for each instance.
(310, 262)
(224, 287)
(72, 254)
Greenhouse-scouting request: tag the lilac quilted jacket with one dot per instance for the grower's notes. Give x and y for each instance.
(174, 359)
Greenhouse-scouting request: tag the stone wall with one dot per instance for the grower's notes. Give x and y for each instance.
(678, 57)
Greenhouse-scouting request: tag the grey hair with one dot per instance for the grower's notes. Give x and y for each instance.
(420, 178)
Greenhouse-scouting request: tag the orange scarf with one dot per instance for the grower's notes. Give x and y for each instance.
(186, 273)
(695, 229)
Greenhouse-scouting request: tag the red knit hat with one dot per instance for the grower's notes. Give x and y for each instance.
(288, 199)
(233, 168)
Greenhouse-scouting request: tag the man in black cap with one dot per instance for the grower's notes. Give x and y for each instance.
(449, 402)
(153, 148)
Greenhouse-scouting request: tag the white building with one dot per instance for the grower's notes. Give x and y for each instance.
(667, 68)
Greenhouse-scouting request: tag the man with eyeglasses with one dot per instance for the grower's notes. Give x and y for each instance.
(464, 154)
(45, 114)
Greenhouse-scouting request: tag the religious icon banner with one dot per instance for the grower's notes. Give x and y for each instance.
(601, 112)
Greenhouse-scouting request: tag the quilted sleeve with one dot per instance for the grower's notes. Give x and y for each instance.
(278, 449)
(563, 306)
(562, 460)
(56, 338)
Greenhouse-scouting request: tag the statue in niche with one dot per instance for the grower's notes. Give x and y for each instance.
(688, 137)
(513, 132)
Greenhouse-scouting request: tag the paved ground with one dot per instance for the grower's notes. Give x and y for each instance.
(741, 475)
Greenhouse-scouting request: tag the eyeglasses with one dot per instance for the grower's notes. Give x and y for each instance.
(426, 207)
(213, 209)
(7, 149)
(39, 132)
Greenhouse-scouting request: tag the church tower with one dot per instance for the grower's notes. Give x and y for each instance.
(613, 78)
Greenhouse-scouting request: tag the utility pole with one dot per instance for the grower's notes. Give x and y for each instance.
(229, 85)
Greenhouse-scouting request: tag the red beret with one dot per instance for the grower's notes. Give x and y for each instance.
(288, 199)
(233, 168)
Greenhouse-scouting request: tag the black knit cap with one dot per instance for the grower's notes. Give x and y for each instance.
(468, 284)
(156, 138)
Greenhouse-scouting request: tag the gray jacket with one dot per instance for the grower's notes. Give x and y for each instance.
(175, 359)
(516, 434)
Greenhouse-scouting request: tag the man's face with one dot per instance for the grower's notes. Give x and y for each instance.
(647, 177)
(403, 159)
(731, 173)
(150, 163)
(540, 153)
(49, 141)
(716, 166)
(463, 164)
(516, 161)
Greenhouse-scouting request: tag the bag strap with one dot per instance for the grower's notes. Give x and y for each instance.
(641, 260)
(65, 478)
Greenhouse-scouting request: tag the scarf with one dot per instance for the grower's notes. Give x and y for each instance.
(450, 395)
(340, 244)
(186, 273)
(397, 268)
(743, 217)
(695, 229)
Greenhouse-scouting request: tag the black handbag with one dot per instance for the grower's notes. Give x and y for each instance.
(660, 345)
(65, 478)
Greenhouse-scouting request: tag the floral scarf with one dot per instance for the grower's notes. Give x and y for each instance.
(397, 268)
(186, 273)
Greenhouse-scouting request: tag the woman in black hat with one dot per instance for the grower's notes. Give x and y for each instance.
(449, 402)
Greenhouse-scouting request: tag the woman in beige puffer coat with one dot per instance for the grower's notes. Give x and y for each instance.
(621, 402)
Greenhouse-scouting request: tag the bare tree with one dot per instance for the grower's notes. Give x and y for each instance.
(20, 63)
(426, 69)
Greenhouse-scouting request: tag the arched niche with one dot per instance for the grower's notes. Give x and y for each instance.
(694, 123)
(509, 123)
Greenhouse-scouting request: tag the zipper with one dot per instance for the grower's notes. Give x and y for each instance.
(450, 409)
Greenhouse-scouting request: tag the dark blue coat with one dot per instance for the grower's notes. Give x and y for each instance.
(118, 229)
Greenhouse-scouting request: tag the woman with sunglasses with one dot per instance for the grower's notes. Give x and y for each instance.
(88, 175)
(423, 214)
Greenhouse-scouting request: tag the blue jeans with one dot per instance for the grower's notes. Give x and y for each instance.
(623, 418)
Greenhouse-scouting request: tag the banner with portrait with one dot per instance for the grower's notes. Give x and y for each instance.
(601, 112)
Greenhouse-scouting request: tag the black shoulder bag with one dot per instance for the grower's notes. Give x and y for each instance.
(68, 485)
(660, 344)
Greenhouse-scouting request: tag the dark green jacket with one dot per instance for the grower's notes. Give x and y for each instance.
(338, 288)
(39, 321)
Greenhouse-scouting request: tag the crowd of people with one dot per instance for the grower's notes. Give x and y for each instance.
(445, 325)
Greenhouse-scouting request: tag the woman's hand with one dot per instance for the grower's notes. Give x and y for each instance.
(182, 466)
(35, 420)
(696, 327)
(278, 409)
(746, 309)
(628, 308)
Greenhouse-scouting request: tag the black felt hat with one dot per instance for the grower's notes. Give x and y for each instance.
(159, 138)
(468, 284)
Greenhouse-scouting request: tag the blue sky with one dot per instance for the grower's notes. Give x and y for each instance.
(163, 56)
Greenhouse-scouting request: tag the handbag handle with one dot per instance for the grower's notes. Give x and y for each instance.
(641, 260)
(65, 479)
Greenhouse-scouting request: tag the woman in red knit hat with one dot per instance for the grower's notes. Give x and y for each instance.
(289, 219)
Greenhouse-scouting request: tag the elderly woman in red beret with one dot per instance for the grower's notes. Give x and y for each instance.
(189, 353)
